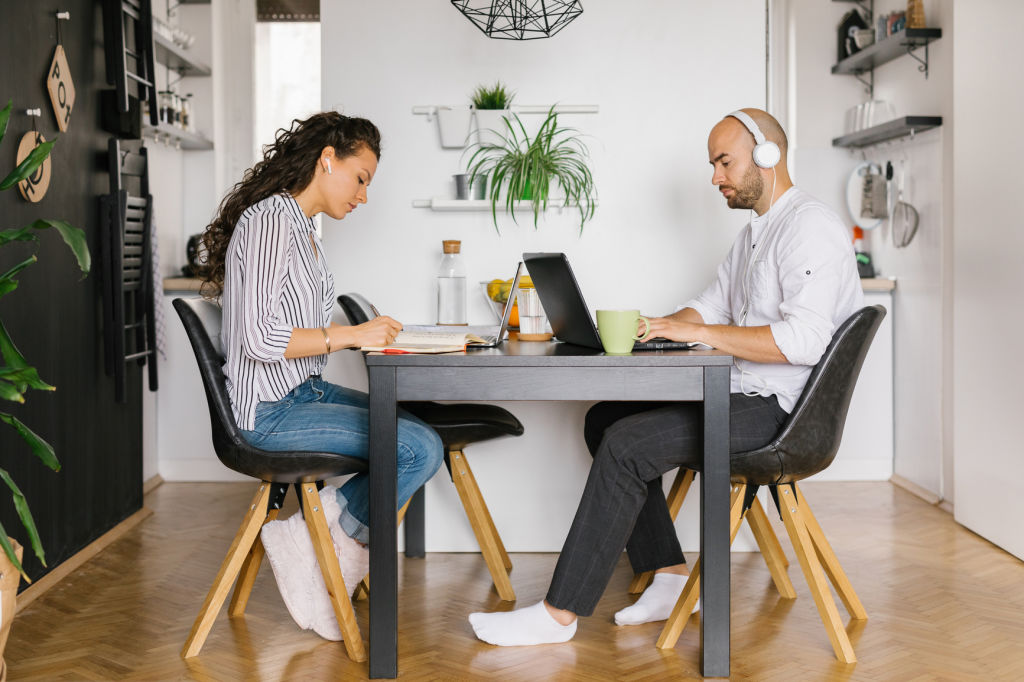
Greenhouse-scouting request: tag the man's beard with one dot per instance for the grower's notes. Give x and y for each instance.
(748, 192)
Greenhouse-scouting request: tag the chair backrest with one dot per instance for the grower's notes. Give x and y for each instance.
(809, 440)
(356, 307)
(202, 321)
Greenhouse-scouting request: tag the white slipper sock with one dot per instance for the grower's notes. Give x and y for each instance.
(290, 553)
(522, 627)
(657, 601)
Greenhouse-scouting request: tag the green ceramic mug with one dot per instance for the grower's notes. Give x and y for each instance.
(618, 330)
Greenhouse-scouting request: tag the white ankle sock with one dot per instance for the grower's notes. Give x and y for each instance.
(522, 627)
(657, 601)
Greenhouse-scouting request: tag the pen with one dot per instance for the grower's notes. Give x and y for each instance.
(374, 309)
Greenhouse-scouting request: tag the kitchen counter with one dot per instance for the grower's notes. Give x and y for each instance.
(878, 283)
(182, 284)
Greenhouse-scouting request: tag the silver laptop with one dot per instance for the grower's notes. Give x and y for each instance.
(491, 334)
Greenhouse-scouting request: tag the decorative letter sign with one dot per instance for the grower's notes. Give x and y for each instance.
(34, 187)
(62, 89)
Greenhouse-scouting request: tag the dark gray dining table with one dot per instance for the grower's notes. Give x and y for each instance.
(550, 371)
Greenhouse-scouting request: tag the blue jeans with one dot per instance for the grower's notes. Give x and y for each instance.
(323, 417)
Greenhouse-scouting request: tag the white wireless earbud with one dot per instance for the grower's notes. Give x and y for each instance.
(328, 166)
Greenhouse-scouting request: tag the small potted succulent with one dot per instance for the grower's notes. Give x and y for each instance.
(492, 106)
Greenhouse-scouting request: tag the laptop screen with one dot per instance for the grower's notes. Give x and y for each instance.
(562, 299)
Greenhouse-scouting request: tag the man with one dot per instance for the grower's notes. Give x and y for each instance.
(788, 282)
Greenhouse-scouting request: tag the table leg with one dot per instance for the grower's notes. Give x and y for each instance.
(415, 526)
(383, 517)
(714, 526)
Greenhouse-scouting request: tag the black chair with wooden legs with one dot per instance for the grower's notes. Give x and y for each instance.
(460, 425)
(275, 471)
(806, 444)
(765, 536)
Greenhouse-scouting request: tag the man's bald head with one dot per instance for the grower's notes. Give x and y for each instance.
(770, 127)
(730, 152)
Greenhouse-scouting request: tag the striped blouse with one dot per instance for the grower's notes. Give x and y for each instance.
(273, 282)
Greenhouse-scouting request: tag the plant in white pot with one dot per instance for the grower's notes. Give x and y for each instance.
(17, 377)
(492, 112)
(524, 168)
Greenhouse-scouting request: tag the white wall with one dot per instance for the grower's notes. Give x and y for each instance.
(662, 78)
(987, 265)
(816, 102)
(187, 187)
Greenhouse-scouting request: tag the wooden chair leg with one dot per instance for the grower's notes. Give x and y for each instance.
(771, 550)
(462, 478)
(676, 495)
(684, 605)
(331, 571)
(229, 569)
(250, 569)
(492, 529)
(796, 526)
(830, 561)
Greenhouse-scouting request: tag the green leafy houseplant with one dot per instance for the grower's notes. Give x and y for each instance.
(525, 168)
(16, 376)
(496, 97)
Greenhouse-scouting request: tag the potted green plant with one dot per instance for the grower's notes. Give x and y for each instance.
(526, 168)
(17, 376)
(492, 106)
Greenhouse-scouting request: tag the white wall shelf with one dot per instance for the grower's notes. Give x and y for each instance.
(438, 204)
(176, 58)
(431, 109)
(175, 137)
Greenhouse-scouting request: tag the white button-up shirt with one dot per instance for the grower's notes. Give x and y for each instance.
(792, 269)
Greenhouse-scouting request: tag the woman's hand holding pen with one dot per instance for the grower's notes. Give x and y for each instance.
(380, 331)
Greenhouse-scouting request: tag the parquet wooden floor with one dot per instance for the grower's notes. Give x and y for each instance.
(943, 604)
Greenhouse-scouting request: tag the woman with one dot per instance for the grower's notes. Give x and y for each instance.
(266, 261)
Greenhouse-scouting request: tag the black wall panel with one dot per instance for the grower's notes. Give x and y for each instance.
(55, 316)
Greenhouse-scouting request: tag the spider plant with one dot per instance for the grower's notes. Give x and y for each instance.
(497, 97)
(525, 168)
(16, 375)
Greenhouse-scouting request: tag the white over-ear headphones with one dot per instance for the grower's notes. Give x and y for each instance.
(766, 152)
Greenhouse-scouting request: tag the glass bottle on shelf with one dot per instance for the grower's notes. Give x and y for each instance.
(451, 285)
(176, 107)
(186, 112)
(166, 107)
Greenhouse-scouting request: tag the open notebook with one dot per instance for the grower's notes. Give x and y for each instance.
(449, 338)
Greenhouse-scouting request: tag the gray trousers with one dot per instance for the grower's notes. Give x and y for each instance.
(623, 504)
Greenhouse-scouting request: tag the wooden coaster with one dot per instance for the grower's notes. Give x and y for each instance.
(535, 337)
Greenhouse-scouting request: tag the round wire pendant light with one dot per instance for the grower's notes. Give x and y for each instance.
(519, 19)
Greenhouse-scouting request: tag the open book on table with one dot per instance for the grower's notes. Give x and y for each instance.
(428, 342)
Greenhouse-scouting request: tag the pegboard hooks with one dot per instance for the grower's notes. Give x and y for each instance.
(66, 16)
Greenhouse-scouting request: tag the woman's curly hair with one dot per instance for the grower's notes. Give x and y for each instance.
(288, 165)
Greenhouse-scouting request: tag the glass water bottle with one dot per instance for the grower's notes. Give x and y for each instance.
(451, 285)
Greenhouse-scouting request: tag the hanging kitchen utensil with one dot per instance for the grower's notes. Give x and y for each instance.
(873, 200)
(904, 216)
(854, 194)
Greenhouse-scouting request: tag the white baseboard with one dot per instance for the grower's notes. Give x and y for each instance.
(857, 470)
(198, 469)
(915, 489)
